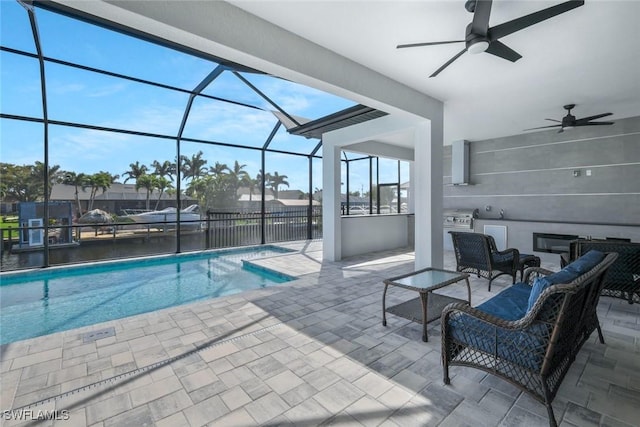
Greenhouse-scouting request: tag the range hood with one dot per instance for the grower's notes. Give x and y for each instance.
(460, 162)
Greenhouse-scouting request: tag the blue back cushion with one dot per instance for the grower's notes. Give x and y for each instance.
(510, 304)
(586, 262)
(566, 275)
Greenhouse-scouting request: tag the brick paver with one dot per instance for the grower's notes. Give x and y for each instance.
(308, 352)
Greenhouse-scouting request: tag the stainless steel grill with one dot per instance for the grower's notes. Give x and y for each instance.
(459, 218)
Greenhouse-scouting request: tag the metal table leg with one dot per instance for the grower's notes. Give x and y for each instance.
(424, 299)
(384, 308)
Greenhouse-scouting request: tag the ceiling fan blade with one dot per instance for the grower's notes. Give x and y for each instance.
(593, 123)
(597, 116)
(544, 127)
(458, 55)
(518, 24)
(503, 51)
(402, 46)
(480, 23)
(554, 120)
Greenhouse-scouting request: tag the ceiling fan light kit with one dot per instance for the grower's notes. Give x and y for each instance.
(478, 46)
(481, 38)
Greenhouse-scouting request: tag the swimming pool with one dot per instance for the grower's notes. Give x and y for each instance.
(42, 302)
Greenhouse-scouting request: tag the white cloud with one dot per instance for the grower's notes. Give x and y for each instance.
(63, 89)
(107, 90)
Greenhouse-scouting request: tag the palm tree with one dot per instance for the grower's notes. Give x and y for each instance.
(77, 180)
(162, 184)
(262, 178)
(219, 169)
(54, 175)
(192, 168)
(251, 184)
(101, 180)
(275, 181)
(238, 171)
(237, 176)
(149, 183)
(164, 169)
(136, 170)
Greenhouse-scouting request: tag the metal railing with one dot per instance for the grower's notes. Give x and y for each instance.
(241, 228)
(124, 239)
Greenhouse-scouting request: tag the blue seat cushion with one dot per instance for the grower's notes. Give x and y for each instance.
(566, 275)
(523, 348)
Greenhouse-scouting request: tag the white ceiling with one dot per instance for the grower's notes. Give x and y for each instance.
(588, 56)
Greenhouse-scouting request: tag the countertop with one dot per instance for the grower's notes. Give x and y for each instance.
(555, 222)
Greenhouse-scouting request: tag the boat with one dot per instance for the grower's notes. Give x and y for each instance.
(189, 217)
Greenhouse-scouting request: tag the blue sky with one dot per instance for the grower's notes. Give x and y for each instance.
(85, 97)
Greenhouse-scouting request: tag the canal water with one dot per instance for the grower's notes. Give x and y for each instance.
(104, 249)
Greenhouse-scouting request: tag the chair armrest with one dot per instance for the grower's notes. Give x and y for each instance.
(512, 251)
(507, 253)
(532, 272)
(510, 257)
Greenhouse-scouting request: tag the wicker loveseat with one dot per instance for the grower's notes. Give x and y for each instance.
(623, 278)
(530, 333)
(477, 253)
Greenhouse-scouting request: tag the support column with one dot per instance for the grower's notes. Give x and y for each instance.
(331, 221)
(411, 194)
(428, 192)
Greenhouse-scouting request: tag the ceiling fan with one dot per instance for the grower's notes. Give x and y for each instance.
(569, 121)
(480, 38)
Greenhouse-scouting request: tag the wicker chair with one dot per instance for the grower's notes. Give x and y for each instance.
(623, 278)
(534, 345)
(477, 253)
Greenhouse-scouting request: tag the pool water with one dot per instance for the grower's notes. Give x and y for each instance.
(42, 302)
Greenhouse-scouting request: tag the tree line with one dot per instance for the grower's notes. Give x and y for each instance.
(212, 186)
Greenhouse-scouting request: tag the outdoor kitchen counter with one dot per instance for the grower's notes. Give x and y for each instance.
(520, 232)
(555, 222)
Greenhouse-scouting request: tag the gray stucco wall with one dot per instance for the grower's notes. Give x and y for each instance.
(531, 177)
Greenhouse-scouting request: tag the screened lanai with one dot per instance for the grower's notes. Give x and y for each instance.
(103, 117)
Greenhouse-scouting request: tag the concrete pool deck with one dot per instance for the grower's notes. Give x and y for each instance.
(304, 353)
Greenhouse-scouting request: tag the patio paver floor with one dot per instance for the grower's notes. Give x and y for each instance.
(305, 353)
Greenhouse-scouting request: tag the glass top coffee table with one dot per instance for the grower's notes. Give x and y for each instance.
(428, 306)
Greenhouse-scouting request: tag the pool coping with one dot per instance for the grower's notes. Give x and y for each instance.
(144, 260)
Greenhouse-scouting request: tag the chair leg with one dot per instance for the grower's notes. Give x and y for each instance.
(445, 369)
(490, 279)
(547, 403)
(600, 336)
(552, 418)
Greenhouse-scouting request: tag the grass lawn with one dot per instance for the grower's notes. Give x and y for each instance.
(5, 223)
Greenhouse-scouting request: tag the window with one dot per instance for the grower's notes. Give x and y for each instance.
(374, 185)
